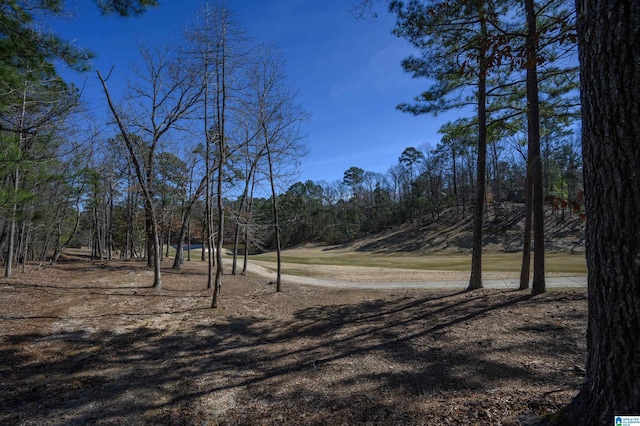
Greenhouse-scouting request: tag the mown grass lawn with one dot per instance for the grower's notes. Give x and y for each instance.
(556, 263)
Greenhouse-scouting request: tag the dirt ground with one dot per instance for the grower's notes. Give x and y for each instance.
(91, 343)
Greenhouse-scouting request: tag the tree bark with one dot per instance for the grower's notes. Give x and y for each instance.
(475, 281)
(534, 160)
(525, 269)
(609, 48)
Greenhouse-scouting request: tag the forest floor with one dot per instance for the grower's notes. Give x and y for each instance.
(91, 343)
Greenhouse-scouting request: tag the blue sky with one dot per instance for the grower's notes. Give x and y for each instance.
(347, 72)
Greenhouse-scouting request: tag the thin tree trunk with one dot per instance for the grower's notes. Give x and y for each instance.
(12, 227)
(525, 268)
(276, 222)
(153, 246)
(25, 244)
(236, 242)
(16, 187)
(221, 104)
(150, 248)
(497, 199)
(92, 244)
(168, 242)
(455, 179)
(246, 230)
(204, 242)
(129, 226)
(4, 235)
(21, 245)
(186, 215)
(236, 236)
(189, 239)
(209, 220)
(97, 244)
(110, 222)
(245, 254)
(220, 238)
(61, 246)
(146, 188)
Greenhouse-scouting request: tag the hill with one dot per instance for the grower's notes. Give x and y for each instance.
(453, 232)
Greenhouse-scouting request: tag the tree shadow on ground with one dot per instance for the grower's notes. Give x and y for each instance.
(377, 361)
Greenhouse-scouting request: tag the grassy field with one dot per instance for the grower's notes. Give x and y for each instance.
(568, 263)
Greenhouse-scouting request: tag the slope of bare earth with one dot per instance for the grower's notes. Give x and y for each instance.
(91, 343)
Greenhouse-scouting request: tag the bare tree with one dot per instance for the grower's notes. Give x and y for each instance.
(251, 153)
(218, 50)
(187, 209)
(166, 95)
(279, 121)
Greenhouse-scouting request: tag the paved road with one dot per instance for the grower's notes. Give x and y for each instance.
(551, 282)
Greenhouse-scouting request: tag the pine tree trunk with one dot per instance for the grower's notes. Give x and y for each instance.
(534, 160)
(475, 281)
(608, 34)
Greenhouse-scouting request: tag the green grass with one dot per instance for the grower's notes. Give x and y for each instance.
(172, 251)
